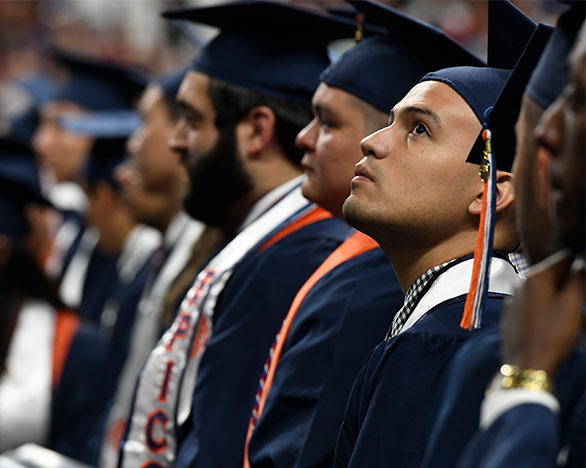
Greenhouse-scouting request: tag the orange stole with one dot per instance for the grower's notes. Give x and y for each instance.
(357, 244)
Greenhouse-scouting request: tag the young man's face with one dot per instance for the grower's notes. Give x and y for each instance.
(331, 142)
(217, 180)
(414, 182)
(63, 152)
(153, 179)
(562, 132)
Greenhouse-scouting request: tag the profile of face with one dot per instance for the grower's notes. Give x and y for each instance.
(562, 132)
(62, 152)
(153, 181)
(532, 218)
(413, 184)
(217, 179)
(331, 142)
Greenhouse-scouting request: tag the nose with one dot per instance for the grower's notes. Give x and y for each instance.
(178, 139)
(307, 137)
(372, 145)
(549, 129)
(134, 142)
(41, 141)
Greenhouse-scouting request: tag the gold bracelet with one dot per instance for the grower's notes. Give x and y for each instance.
(529, 379)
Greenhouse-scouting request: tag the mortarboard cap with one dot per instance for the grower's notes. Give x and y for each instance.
(505, 111)
(98, 84)
(382, 69)
(269, 47)
(110, 129)
(481, 87)
(548, 78)
(509, 30)
(171, 81)
(19, 186)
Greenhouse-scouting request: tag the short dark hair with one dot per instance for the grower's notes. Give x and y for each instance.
(233, 102)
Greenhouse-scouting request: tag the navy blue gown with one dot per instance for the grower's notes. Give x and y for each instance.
(342, 318)
(248, 315)
(392, 405)
(529, 435)
(84, 394)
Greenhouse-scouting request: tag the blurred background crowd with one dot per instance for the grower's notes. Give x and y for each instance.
(132, 31)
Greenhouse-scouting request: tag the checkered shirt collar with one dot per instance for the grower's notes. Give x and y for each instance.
(413, 295)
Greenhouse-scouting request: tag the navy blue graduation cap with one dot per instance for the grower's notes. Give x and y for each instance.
(98, 84)
(171, 81)
(19, 186)
(481, 88)
(509, 30)
(269, 47)
(383, 68)
(110, 131)
(548, 78)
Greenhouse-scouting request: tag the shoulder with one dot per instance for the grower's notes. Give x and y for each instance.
(444, 319)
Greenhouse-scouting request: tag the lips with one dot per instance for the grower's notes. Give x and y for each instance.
(305, 164)
(362, 172)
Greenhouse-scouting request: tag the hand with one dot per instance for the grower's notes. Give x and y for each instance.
(542, 322)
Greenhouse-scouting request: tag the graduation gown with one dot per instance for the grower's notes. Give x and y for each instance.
(248, 314)
(341, 319)
(391, 408)
(527, 435)
(83, 395)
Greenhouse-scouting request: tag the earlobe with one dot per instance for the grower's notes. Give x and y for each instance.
(505, 194)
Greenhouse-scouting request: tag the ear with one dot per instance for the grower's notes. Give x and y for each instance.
(256, 130)
(505, 195)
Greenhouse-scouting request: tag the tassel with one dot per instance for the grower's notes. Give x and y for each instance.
(476, 300)
(359, 33)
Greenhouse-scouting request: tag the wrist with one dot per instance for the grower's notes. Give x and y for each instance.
(510, 377)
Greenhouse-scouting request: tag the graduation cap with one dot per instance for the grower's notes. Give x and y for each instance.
(171, 81)
(19, 186)
(481, 88)
(98, 84)
(269, 47)
(548, 78)
(381, 69)
(110, 129)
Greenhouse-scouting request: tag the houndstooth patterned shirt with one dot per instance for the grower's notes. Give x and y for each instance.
(414, 295)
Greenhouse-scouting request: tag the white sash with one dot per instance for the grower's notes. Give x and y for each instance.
(165, 389)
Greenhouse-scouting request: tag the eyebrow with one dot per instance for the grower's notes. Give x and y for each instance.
(421, 110)
(187, 108)
(321, 108)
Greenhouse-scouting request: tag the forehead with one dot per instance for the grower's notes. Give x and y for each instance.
(326, 95)
(577, 60)
(152, 96)
(439, 98)
(54, 109)
(194, 90)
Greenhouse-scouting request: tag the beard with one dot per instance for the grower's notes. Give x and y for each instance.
(217, 181)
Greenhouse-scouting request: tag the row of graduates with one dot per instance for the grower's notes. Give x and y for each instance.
(242, 341)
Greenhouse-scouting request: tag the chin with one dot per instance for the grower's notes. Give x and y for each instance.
(355, 214)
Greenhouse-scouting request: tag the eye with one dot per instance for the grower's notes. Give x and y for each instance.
(420, 129)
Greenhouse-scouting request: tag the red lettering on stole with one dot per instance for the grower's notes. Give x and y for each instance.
(157, 417)
(165, 383)
(181, 331)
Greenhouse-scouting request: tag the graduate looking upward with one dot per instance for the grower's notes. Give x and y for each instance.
(479, 360)
(417, 196)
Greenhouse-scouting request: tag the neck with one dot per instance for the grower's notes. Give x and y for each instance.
(410, 262)
(113, 238)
